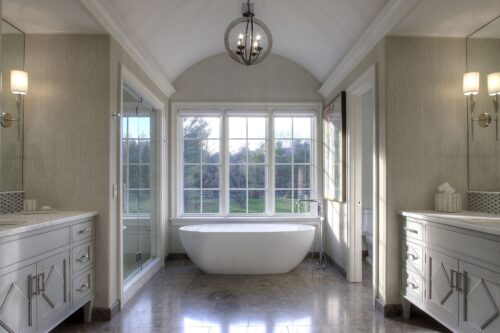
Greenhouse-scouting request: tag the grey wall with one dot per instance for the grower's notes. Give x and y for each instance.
(426, 131)
(483, 55)
(66, 131)
(11, 139)
(72, 141)
(220, 78)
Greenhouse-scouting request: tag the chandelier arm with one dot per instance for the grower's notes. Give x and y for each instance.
(245, 59)
(251, 39)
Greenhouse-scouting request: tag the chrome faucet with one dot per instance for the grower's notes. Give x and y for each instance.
(320, 210)
(322, 256)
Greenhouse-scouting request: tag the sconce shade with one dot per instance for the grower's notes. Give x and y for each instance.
(494, 84)
(18, 82)
(471, 83)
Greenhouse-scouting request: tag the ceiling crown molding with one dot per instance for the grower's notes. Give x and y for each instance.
(107, 16)
(391, 15)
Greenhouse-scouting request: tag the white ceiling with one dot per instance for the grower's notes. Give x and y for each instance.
(492, 30)
(314, 33)
(447, 18)
(50, 16)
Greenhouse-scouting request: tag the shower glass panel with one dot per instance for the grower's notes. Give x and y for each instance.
(138, 183)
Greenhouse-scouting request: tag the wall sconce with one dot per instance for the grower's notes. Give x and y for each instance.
(19, 87)
(471, 87)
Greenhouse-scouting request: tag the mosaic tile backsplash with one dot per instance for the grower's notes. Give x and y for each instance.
(485, 202)
(11, 202)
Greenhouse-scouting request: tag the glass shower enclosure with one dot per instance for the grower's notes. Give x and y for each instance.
(138, 161)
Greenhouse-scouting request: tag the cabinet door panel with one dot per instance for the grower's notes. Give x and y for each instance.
(17, 304)
(441, 296)
(480, 300)
(53, 300)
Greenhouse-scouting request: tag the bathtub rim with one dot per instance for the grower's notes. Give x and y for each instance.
(233, 231)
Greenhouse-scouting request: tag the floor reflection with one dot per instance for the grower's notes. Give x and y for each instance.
(182, 299)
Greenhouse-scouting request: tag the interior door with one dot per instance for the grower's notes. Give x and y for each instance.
(441, 296)
(17, 301)
(480, 299)
(53, 290)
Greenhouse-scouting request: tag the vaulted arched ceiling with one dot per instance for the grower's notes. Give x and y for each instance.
(314, 33)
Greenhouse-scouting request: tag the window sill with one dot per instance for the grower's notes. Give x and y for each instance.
(181, 221)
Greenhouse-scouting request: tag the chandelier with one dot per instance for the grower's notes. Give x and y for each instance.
(247, 39)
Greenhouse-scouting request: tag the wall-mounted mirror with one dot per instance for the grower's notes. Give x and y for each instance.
(483, 56)
(11, 131)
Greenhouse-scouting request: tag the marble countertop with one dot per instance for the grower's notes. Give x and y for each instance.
(11, 224)
(482, 222)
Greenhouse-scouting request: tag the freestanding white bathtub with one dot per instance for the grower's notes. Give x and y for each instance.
(247, 248)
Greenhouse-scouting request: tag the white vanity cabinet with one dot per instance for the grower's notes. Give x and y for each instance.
(38, 270)
(458, 281)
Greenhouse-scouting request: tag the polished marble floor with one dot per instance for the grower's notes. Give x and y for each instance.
(182, 299)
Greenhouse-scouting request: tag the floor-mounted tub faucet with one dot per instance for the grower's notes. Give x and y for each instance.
(322, 257)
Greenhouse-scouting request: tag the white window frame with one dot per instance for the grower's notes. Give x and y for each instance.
(269, 110)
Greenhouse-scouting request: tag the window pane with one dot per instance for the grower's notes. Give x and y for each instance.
(237, 176)
(256, 201)
(191, 201)
(282, 128)
(256, 176)
(144, 176)
(302, 151)
(301, 176)
(145, 201)
(144, 128)
(283, 176)
(283, 201)
(125, 127)
(256, 128)
(133, 176)
(133, 127)
(133, 201)
(210, 201)
(303, 207)
(125, 151)
(191, 176)
(256, 151)
(210, 176)
(201, 127)
(211, 151)
(144, 151)
(237, 127)
(237, 151)
(133, 151)
(302, 128)
(237, 201)
(212, 127)
(192, 151)
(283, 151)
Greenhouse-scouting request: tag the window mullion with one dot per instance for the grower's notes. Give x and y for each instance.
(224, 165)
(270, 169)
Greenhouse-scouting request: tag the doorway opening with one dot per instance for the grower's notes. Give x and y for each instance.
(362, 195)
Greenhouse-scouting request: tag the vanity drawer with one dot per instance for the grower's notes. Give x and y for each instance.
(83, 286)
(413, 229)
(26, 248)
(412, 285)
(412, 255)
(82, 257)
(82, 231)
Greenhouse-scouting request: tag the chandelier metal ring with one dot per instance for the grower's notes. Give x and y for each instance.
(238, 58)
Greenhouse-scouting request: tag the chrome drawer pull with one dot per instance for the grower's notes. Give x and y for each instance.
(412, 284)
(84, 231)
(83, 287)
(414, 255)
(83, 258)
(413, 231)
